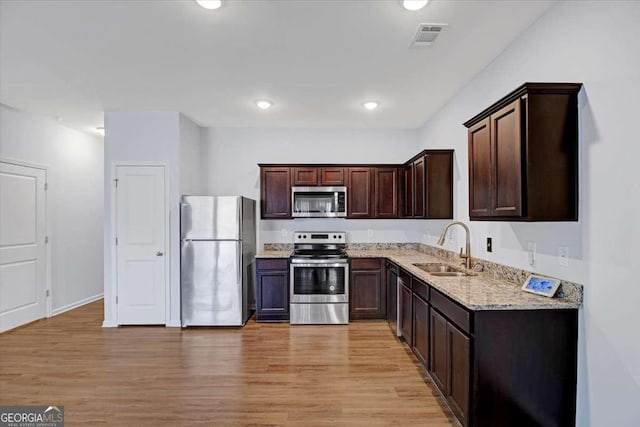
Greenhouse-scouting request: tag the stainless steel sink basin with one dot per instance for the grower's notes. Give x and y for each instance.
(438, 269)
(450, 273)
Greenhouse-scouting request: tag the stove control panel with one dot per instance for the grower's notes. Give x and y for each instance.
(320, 237)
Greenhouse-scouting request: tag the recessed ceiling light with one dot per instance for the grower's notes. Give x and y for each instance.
(210, 4)
(263, 104)
(414, 4)
(371, 105)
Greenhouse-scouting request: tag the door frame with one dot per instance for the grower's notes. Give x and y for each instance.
(47, 227)
(114, 231)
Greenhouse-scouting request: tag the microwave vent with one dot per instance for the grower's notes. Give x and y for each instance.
(427, 34)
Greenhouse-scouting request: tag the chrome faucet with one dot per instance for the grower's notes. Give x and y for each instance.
(467, 255)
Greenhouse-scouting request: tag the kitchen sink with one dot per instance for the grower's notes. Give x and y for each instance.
(437, 269)
(450, 273)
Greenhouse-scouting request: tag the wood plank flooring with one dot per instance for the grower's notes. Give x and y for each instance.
(262, 374)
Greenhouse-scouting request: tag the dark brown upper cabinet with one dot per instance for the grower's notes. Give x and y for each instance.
(308, 176)
(332, 176)
(385, 197)
(407, 194)
(422, 188)
(275, 192)
(428, 185)
(359, 192)
(479, 169)
(523, 155)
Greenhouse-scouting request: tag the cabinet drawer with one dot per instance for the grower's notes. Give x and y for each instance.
(366, 263)
(405, 278)
(455, 313)
(421, 288)
(272, 263)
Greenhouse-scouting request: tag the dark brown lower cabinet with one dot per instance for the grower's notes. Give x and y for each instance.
(272, 290)
(439, 360)
(367, 291)
(459, 349)
(421, 329)
(392, 292)
(406, 318)
(450, 364)
(524, 368)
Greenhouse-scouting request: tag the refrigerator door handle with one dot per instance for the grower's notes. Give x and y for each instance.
(240, 265)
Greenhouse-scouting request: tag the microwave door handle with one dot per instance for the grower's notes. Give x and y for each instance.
(335, 201)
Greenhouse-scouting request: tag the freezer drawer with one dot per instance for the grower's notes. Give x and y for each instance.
(212, 285)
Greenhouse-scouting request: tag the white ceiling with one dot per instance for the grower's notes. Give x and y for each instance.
(317, 60)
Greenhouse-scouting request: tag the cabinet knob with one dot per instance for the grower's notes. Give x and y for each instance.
(159, 253)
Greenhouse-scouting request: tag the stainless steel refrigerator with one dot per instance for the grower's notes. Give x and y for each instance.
(218, 247)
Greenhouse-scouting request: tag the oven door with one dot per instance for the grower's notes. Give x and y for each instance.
(319, 282)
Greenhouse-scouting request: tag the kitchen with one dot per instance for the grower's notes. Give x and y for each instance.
(224, 160)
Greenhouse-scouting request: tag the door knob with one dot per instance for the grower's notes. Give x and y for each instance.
(159, 253)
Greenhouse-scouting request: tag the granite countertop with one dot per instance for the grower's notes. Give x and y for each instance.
(273, 254)
(479, 292)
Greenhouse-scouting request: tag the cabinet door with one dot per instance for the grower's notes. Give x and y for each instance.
(421, 329)
(367, 296)
(332, 176)
(506, 143)
(418, 188)
(385, 193)
(275, 189)
(359, 193)
(459, 349)
(439, 185)
(392, 293)
(439, 360)
(408, 190)
(405, 314)
(480, 169)
(305, 176)
(272, 299)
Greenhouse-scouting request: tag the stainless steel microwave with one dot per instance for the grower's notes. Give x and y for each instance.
(318, 202)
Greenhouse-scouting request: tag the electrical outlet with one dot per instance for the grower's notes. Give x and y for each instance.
(531, 249)
(370, 232)
(452, 234)
(284, 232)
(563, 256)
(489, 244)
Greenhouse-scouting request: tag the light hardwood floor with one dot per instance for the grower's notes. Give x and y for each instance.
(262, 374)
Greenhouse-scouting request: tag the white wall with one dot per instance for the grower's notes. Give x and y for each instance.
(595, 43)
(74, 199)
(143, 136)
(233, 154)
(192, 178)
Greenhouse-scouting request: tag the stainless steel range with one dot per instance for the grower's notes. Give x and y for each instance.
(319, 278)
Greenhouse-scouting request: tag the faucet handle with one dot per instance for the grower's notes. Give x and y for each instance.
(463, 255)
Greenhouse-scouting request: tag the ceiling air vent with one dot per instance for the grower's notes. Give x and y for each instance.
(427, 34)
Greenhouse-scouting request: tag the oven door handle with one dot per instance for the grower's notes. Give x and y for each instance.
(334, 264)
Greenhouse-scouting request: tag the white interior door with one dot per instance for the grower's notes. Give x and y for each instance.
(23, 254)
(141, 246)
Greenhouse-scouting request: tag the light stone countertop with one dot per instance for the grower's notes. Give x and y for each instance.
(478, 292)
(273, 254)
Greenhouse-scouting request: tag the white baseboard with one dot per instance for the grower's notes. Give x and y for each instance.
(173, 324)
(109, 324)
(76, 304)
